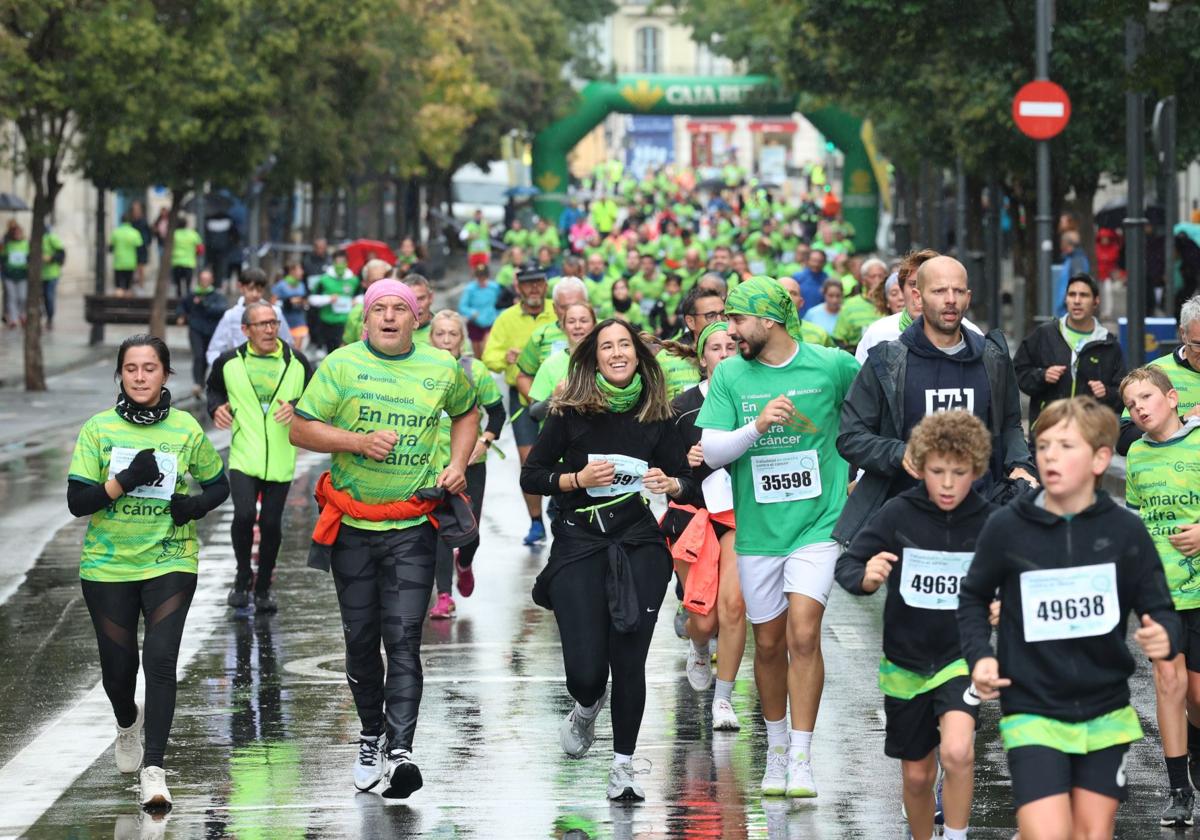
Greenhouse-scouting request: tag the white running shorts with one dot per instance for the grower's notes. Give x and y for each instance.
(766, 580)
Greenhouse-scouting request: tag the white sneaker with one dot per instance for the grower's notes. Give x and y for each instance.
(370, 765)
(724, 718)
(698, 668)
(153, 783)
(622, 782)
(403, 775)
(130, 744)
(775, 778)
(800, 782)
(576, 733)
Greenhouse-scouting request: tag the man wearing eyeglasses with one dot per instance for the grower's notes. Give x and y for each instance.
(1183, 369)
(252, 391)
(701, 306)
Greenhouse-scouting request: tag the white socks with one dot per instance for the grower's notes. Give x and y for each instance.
(619, 758)
(724, 690)
(955, 833)
(799, 744)
(589, 712)
(777, 732)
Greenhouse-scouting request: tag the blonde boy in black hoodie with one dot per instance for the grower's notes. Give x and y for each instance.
(1070, 565)
(921, 543)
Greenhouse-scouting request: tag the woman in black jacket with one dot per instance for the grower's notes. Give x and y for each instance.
(609, 435)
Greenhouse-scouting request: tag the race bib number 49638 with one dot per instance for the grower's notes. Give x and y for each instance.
(930, 580)
(786, 477)
(1071, 603)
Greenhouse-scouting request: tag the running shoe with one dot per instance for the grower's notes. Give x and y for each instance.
(130, 744)
(800, 783)
(681, 618)
(370, 765)
(153, 783)
(698, 668)
(265, 603)
(444, 608)
(724, 718)
(403, 776)
(622, 783)
(466, 578)
(775, 778)
(537, 533)
(577, 732)
(1178, 813)
(239, 599)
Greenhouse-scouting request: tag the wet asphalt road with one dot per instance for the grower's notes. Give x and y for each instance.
(264, 732)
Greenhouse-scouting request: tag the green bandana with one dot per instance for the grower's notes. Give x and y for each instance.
(905, 319)
(715, 326)
(762, 297)
(620, 400)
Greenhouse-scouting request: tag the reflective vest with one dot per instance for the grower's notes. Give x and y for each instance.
(259, 446)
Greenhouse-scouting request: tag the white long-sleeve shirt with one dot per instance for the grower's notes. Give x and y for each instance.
(229, 335)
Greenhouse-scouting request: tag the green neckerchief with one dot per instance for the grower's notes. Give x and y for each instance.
(905, 319)
(763, 297)
(620, 400)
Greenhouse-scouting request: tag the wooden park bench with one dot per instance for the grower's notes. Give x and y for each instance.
(110, 309)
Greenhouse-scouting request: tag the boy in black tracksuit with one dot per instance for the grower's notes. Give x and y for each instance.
(921, 543)
(1070, 565)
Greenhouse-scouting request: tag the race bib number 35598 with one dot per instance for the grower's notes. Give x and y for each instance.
(1072, 603)
(786, 477)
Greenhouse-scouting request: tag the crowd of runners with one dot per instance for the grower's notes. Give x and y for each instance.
(720, 401)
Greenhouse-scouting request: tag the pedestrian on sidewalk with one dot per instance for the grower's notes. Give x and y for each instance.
(140, 551)
(252, 391)
(124, 244)
(16, 275)
(54, 254)
(202, 311)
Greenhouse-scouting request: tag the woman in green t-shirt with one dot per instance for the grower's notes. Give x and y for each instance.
(140, 552)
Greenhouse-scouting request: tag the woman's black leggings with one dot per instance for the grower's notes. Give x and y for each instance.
(444, 572)
(115, 607)
(592, 646)
(245, 490)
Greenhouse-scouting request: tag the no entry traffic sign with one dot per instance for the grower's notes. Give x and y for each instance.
(1041, 110)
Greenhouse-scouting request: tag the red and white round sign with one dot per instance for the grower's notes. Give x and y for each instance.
(1041, 110)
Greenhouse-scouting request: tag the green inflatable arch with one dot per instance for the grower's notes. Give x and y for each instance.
(709, 96)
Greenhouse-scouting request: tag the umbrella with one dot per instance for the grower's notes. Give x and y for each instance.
(712, 184)
(361, 250)
(1190, 230)
(214, 202)
(8, 201)
(522, 192)
(1112, 215)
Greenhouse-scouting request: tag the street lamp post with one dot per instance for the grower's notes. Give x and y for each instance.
(1135, 220)
(1043, 220)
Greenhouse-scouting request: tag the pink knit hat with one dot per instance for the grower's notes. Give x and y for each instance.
(388, 288)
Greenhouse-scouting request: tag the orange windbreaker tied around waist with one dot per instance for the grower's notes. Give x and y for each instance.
(333, 503)
(698, 545)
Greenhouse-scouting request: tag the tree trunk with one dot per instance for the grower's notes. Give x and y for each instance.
(158, 309)
(43, 202)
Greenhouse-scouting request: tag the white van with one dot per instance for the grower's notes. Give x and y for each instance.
(473, 189)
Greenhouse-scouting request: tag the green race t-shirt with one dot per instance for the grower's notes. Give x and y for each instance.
(134, 538)
(790, 487)
(857, 314)
(125, 243)
(546, 339)
(679, 373)
(344, 288)
(362, 390)
(1162, 483)
(183, 248)
(552, 371)
(484, 392)
(1183, 379)
(264, 373)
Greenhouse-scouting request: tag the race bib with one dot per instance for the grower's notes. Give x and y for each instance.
(718, 492)
(628, 477)
(757, 267)
(930, 580)
(342, 305)
(1071, 603)
(786, 477)
(161, 487)
(555, 346)
(18, 258)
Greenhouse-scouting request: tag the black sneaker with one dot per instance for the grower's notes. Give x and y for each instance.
(1178, 813)
(239, 599)
(265, 602)
(403, 776)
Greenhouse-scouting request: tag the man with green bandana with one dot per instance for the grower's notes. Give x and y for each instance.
(772, 416)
